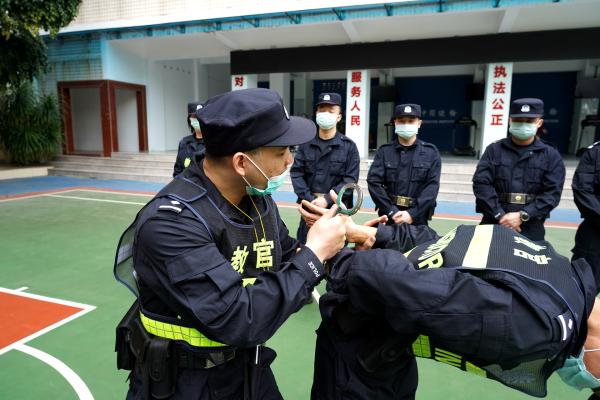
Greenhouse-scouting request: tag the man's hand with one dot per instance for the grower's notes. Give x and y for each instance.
(402, 217)
(511, 220)
(310, 212)
(363, 235)
(320, 201)
(327, 235)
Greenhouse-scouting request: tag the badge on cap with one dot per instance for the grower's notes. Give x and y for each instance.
(407, 109)
(198, 107)
(525, 108)
(286, 112)
(327, 97)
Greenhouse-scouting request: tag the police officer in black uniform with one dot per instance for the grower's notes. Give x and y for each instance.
(192, 144)
(586, 191)
(519, 179)
(482, 298)
(404, 179)
(211, 261)
(329, 161)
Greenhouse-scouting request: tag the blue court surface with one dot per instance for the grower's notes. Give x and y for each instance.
(15, 187)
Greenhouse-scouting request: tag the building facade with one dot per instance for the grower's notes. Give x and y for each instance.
(124, 70)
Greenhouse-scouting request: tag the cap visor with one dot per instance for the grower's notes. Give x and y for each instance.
(525, 115)
(301, 130)
(331, 103)
(406, 115)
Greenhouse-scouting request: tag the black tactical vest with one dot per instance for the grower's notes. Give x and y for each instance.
(523, 265)
(249, 249)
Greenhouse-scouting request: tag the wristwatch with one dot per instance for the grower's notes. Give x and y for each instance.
(524, 216)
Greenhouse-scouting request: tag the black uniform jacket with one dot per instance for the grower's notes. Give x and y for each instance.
(189, 146)
(536, 169)
(183, 274)
(412, 171)
(318, 171)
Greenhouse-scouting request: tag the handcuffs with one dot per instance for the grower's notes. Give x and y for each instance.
(342, 209)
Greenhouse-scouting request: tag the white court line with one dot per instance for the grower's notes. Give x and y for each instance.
(83, 392)
(26, 196)
(316, 295)
(91, 199)
(278, 205)
(113, 191)
(21, 289)
(85, 309)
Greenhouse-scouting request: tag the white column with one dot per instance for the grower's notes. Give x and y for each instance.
(248, 81)
(280, 82)
(498, 81)
(358, 97)
(300, 94)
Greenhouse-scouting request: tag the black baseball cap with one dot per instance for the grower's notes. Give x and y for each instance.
(409, 109)
(330, 98)
(527, 108)
(193, 107)
(247, 119)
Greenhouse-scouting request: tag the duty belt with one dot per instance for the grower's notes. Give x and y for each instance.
(212, 357)
(404, 201)
(516, 198)
(189, 335)
(186, 359)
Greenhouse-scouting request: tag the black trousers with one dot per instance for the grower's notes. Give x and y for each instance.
(532, 229)
(223, 382)
(587, 245)
(339, 375)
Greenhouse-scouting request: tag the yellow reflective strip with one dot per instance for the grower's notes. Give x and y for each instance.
(248, 281)
(421, 347)
(408, 252)
(175, 332)
(474, 369)
(479, 248)
(447, 357)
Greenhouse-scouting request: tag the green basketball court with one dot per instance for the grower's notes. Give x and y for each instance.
(61, 246)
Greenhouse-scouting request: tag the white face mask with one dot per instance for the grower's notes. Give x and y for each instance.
(406, 131)
(326, 120)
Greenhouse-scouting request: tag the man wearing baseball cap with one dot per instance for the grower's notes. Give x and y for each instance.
(212, 264)
(404, 179)
(328, 161)
(192, 144)
(519, 179)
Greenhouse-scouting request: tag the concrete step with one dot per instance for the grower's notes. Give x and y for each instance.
(110, 175)
(142, 168)
(115, 161)
(163, 156)
(456, 179)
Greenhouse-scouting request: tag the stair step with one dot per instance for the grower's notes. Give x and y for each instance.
(456, 179)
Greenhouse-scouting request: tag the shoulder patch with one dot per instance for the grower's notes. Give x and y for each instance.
(174, 206)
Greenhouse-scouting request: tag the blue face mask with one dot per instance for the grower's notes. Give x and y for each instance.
(273, 183)
(522, 130)
(326, 120)
(575, 374)
(195, 124)
(406, 131)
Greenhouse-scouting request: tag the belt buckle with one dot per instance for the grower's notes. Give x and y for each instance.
(402, 201)
(218, 358)
(519, 198)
